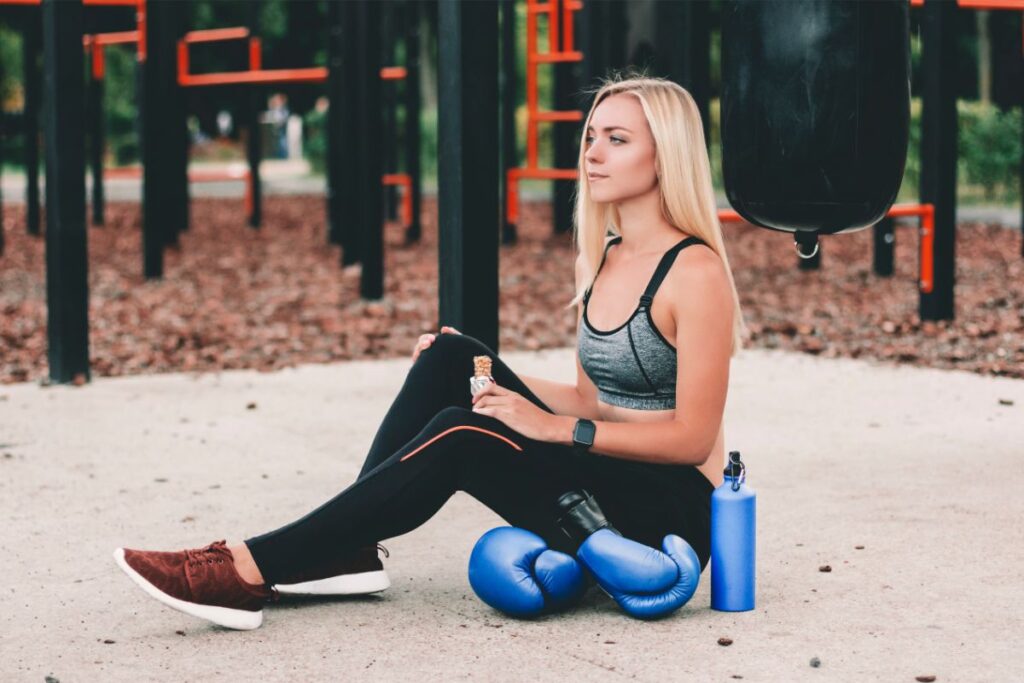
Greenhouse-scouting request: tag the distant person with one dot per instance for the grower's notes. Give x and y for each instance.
(224, 123)
(277, 116)
(650, 392)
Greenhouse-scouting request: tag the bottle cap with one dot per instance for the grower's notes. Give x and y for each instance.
(735, 466)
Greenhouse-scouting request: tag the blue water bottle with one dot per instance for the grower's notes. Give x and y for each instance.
(733, 512)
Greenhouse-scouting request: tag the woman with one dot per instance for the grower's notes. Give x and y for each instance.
(654, 388)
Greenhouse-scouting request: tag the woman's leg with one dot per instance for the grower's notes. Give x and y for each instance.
(519, 478)
(438, 379)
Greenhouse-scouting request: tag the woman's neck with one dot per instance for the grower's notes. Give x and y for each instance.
(644, 230)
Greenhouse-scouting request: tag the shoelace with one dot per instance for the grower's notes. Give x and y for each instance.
(215, 552)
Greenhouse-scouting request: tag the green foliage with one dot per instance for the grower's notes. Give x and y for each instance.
(10, 69)
(121, 106)
(989, 148)
(314, 140)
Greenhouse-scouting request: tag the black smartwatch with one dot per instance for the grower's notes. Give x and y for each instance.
(583, 435)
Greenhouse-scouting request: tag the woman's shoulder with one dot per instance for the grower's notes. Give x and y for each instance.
(697, 271)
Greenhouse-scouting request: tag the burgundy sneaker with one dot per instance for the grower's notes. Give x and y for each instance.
(360, 573)
(201, 582)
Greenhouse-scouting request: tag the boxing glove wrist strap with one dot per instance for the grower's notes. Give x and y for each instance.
(581, 516)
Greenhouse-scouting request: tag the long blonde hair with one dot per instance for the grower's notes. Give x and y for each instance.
(684, 172)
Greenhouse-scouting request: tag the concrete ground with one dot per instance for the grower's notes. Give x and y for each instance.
(921, 467)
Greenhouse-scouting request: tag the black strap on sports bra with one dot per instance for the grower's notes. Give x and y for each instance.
(659, 273)
(666, 262)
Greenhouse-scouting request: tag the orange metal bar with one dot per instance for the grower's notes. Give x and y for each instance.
(255, 54)
(115, 38)
(183, 65)
(992, 4)
(566, 25)
(140, 24)
(558, 57)
(927, 258)
(405, 181)
(512, 196)
(87, 3)
(981, 4)
(559, 116)
(311, 75)
(926, 212)
(98, 62)
(557, 10)
(392, 73)
(212, 35)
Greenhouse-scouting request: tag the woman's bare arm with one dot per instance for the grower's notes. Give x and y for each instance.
(562, 398)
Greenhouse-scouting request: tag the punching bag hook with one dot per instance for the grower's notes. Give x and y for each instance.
(804, 241)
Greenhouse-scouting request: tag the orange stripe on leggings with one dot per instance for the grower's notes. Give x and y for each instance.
(455, 429)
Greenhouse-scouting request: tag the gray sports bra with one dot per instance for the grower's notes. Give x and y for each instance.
(633, 366)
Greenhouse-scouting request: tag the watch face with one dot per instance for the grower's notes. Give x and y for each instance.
(585, 431)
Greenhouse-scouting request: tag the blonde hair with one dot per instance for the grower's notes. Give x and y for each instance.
(684, 173)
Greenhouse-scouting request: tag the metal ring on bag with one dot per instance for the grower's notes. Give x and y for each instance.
(801, 254)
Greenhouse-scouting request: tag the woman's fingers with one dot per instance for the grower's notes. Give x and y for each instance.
(422, 344)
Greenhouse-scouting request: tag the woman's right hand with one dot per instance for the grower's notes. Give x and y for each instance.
(426, 340)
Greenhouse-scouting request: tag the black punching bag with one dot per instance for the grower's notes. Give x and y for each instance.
(815, 112)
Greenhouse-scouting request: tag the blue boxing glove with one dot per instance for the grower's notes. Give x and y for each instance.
(645, 582)
(514, 571)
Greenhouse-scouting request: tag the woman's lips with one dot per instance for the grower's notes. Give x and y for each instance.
(595, 176)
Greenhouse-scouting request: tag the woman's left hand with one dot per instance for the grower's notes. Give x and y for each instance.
(517, 412)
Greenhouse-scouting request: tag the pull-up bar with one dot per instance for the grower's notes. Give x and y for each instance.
(87, 3)
(255, 74)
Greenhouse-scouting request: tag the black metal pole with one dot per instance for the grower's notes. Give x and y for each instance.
(94, 114)
(389, 93)
(509, 155)
(67, 283)
(351, 166)
(683, 50)
(939, 151)
(412, 117)
(2, 136)
(153, 127)
(566, 139)
(253, 148)
(368, 95)
(333, 132)
(884, 244)
(468, 168)
(178, 114)
(253, 153)
(30, 65)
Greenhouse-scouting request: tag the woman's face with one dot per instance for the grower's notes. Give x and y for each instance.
(620, 152)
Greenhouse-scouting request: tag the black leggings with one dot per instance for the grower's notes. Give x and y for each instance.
(431, 444)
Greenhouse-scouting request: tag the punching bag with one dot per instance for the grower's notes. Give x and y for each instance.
(815, 112)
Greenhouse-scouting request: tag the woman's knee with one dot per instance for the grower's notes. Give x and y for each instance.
(457, 346)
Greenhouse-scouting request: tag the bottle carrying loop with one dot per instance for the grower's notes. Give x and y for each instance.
(738, 481)
(734, 462)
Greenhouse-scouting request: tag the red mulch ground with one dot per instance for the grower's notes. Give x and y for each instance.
(236, 298)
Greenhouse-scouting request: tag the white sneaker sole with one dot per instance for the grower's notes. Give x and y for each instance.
(239, 619)
(347, 584)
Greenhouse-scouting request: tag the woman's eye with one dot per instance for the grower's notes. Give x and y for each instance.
(615, 139)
